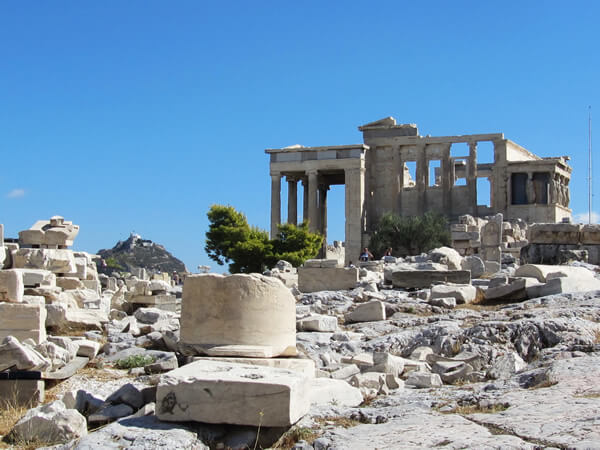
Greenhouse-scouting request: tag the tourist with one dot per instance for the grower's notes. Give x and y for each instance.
(366, 255)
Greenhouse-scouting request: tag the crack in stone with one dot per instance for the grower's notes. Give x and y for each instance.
(495, 429)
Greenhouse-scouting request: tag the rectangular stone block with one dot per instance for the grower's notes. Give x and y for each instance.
(239, 394)
(554, 233)
(590, 234)
(23, 321)
(418, 279)
(21, 392)
(56, 261)
(37, 277)
(160, 299)
(327, 279)
(304, 366)
(11, 286)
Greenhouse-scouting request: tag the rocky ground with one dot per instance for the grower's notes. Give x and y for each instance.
(431, 374)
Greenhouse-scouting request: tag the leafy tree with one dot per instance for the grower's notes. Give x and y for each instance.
(295, 244)
(410, 235)
(230, 239)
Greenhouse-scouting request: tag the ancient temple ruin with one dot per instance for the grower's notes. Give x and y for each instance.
(398, 170)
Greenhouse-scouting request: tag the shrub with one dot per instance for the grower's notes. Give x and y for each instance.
(135, 361)
(409, 235)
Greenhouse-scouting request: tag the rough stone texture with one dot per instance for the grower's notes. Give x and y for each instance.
(139, 433)
(543, 272)
(424, 278)
(312, 279)
(447, 256)
(15, 355)
(238, 310)
(474, 264)
(463, 293)
(417, 428)
(218, 392)
(56, 261)
(317, 322)
(423, 380)
(303, 366)
(367, 312)
(50, 423)
(37, 277)
(22, 392)
(562, 415)
(328, 391)
(23, 321)
(11, 286)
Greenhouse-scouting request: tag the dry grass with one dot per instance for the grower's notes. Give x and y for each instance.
(587, 394)
(295, 434)
(10, 413)
(339, 421)
(477, 409)
(544, 384)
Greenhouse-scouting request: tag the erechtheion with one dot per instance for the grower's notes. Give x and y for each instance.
(396, 169)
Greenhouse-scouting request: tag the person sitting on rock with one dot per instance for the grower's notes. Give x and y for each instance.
(366, 255)
(388, 252)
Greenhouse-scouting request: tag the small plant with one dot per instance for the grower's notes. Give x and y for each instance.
(476, 409)
(340, 421)
(295, 434)
(135, 361)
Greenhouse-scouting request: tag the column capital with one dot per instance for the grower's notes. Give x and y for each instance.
(275, 174)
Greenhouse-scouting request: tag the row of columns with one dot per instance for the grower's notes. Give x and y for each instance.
(314, 208)
(315, 205)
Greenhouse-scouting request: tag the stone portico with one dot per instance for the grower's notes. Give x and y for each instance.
(398, 170)
(318, 168)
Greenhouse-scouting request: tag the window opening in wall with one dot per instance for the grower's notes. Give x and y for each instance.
(484, 191)
(460, 171)
(410, 174)
(518, 188)
(459, 150)
(435, 172)
(485, 152)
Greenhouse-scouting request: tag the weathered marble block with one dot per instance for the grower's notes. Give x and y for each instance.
(56, 261)
(253, 313)
(11, 286)
(424, 278)
(219, 392)
(23, 321)
(312, 279)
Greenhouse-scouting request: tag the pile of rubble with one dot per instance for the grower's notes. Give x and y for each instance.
(431, 350)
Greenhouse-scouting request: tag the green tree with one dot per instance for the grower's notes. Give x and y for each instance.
(230, 239)
(409, 235)
(295, 244)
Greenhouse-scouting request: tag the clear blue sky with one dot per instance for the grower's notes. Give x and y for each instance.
(139, 115)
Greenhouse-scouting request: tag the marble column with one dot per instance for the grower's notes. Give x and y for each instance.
(472, 177)
(421, 173)
(313, 217)
(354, 204)
(323, 209)
(275, 203)
(292, 215)
(304, 199)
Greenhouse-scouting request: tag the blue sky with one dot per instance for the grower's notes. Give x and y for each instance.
(138, 115)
